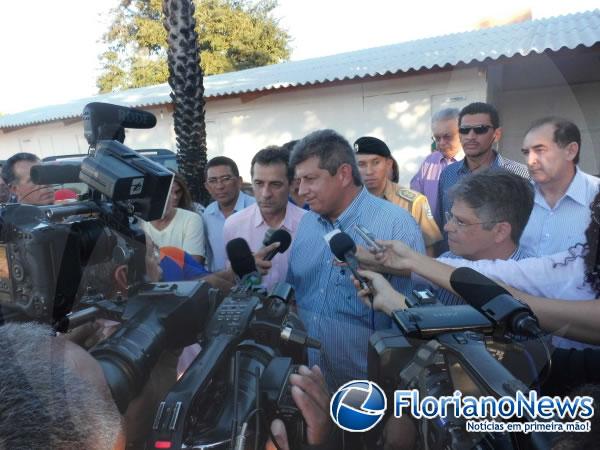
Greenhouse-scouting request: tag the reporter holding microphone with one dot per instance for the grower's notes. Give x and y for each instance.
(570, 276)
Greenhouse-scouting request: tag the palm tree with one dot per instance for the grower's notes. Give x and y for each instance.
(187, 85)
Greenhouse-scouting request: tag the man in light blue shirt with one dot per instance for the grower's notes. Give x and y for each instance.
(327, 301)
(563, 192)
(224, 184)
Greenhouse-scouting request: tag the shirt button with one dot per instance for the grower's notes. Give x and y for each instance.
(547, 235)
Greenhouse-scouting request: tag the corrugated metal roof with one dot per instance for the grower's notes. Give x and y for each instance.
(535, 36)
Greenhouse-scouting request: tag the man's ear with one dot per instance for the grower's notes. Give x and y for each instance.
(120, 278)
(497, 134)
(345, 174)
(503, 231)
(572, 150)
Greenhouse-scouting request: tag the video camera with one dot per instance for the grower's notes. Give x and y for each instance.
(43, 250)
(442, 349)
(239, 382)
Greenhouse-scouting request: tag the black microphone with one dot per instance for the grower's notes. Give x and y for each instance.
(283, 237)
(494, 301)
(344, 249)
(268, 235)
(242, 261)
(53, 173)
(123, 115)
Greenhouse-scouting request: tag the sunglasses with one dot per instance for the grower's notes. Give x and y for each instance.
(479, 129)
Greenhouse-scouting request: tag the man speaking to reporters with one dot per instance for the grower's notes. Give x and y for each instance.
(271, 180)
(327, 301)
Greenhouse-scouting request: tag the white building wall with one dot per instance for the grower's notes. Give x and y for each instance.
(397, 110)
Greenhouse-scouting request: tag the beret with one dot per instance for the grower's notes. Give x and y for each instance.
(368, 145)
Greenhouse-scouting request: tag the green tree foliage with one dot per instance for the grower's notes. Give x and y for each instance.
(232, 35)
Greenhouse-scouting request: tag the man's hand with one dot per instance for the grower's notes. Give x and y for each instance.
(396, 259)
(262, 265)
(309, 391)
(385, 297)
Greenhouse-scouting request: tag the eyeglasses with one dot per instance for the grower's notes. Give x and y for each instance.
(451, 218)
(225, 179)
(443, 137)
(479, 129)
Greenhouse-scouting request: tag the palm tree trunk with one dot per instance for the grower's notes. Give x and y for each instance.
(187, 85)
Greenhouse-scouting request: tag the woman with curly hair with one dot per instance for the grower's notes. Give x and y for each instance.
(571, 276)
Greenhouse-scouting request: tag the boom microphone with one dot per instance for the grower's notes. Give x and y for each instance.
(494, 301)
(283, 237)
(242, 261)
(53, 173)
(344, 249)
(104, 121)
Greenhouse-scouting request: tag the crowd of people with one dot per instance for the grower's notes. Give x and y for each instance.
(532, 225)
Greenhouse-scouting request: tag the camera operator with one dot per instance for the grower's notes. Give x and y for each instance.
(16, 174)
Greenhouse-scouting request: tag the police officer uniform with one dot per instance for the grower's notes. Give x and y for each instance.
(412, 201)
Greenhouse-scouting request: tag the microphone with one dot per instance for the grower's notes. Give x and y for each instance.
(494, 301)
(123, 115)
(283, 237)
(344, 249)
(53, 173)
(268, 235)
(242, 262)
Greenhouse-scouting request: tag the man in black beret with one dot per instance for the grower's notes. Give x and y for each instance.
(374, 162)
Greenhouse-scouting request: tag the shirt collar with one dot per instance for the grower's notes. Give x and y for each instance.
(577, 189)
(498, 161)
(460, 155)
(389, 190)
(258, 220)
(214, 209)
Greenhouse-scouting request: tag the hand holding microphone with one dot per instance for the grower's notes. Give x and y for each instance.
(275, 241)
(384, 297)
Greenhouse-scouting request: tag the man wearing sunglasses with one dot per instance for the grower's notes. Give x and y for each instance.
(479, 129)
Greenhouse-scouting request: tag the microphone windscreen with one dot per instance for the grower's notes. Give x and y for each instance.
(53, 173)
(283, 237)
(475, 288)
(341, 244)
(240, 256)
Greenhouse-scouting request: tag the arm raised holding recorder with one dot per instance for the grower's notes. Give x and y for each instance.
(579, 321)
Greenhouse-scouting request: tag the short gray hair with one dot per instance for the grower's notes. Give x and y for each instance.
(445, 114)
(331, 148)
(497, 195)
(43, 403)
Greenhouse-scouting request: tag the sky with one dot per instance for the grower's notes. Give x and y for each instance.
(50, 48)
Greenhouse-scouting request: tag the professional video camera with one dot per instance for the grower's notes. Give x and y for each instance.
(240, 381)
(43, 250)
(442, 349)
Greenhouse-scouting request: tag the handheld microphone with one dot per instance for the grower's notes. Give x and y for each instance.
(268, 235)
(283, 237)
(344, 249)
(53, 173)
(242, 262)
(494, 301)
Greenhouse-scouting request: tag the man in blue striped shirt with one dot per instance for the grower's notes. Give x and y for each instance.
(489, 212)
(327, 301)
(479, 128)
